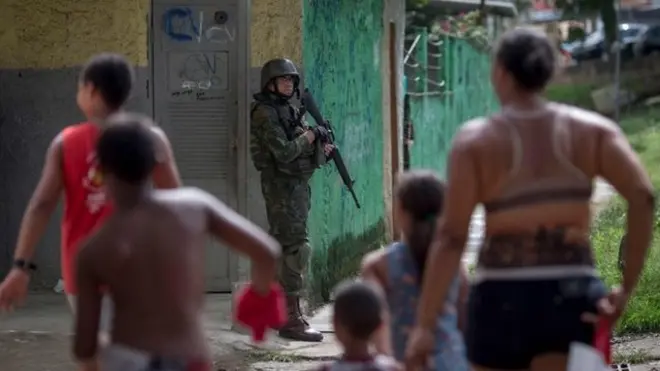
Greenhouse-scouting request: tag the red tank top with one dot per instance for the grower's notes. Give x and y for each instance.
(85, 203)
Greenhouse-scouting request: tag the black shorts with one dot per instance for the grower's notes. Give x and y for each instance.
(512, 322)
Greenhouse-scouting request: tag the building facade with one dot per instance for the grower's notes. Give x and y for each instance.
(197, 65)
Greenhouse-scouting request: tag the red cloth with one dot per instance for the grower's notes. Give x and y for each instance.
(602, 340)
(261, 312)
(85, 203)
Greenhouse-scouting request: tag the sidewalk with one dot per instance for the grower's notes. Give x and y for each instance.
(37, 337)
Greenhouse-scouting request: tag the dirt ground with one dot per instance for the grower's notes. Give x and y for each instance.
(42, 351)
(35, 351)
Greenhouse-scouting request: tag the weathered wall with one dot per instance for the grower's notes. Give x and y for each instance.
(342, 55)
(43, 43)
(276, 30)
(597, 72)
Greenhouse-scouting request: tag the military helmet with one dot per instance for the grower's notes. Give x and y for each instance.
(276, 68)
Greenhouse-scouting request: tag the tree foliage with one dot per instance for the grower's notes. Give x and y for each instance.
(410, 4)
(604, 8)
(469, 26)
(418, 14)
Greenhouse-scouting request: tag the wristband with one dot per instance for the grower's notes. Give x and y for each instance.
(25, 265)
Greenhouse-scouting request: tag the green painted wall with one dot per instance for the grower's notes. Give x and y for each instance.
(341, 58)
(452, 85)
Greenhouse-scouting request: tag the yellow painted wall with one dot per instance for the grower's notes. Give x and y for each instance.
(65, 33)
(276, 30)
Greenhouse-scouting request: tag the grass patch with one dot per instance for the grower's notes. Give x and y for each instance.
(642, 314)
(576, 95)
(637, 120)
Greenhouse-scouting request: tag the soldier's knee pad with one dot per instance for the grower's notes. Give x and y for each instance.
(296, 258)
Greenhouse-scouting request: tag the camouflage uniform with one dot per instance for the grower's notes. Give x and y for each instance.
(286, 161)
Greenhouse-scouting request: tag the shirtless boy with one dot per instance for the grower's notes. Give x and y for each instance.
(70, 168)
(150, 256)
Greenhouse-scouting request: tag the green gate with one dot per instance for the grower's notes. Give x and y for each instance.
(448, 84)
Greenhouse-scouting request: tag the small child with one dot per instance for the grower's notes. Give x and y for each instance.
(400, 268)
(357, 316)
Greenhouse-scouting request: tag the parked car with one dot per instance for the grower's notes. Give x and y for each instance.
(649, 41)
(593, 45)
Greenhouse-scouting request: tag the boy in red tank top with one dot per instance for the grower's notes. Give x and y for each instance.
(70, 168)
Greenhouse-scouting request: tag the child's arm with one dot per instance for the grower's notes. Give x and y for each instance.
(166, 173)
(88, 308)
(244, 237)
(370, 272)
(43, 202)
(463, 294)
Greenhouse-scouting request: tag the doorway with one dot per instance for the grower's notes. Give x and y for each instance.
(196, 52)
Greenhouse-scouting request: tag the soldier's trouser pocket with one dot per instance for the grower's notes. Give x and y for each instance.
(293, 267)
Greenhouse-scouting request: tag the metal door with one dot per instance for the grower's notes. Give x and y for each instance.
(194, 59)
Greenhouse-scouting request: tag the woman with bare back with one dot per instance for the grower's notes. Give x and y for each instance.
(532, 165)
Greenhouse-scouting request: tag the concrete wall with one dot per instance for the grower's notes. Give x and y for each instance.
(276, 30)
(598, 72)
(43, 43)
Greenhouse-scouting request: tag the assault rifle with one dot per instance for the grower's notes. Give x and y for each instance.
(309, 105)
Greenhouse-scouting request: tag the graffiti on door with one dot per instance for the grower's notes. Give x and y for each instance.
(182, 24)
(198, 71)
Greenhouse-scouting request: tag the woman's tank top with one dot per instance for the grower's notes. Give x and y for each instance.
(85, 202)
(402, 296)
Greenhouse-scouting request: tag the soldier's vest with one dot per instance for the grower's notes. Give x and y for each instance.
(305, 164)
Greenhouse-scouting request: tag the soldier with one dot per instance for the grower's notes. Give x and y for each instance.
(286, 151)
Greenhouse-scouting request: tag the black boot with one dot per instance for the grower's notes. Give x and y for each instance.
(296, 327)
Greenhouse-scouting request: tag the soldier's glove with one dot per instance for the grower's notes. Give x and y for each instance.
(321, 133)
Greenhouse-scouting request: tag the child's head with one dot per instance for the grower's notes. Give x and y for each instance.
(357, 312)
(126, 151)
(418, 204)
(104, 86)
